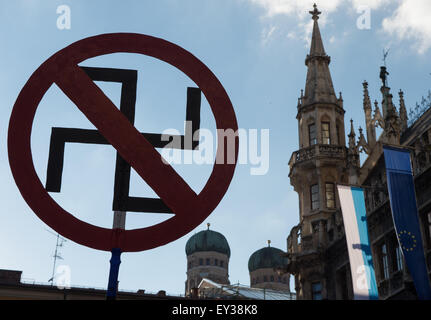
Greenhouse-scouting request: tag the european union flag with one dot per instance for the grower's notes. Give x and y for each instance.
(405, 215)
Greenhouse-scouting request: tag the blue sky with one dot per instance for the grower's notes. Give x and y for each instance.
(256, 48)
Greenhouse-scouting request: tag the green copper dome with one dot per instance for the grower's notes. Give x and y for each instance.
(207, 240)
(267, 257)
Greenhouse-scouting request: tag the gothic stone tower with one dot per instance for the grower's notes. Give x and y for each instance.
(316, 247)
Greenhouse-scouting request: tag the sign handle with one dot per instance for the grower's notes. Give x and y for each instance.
(115, 261)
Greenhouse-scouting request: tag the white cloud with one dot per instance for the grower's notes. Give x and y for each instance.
(372, 4)
(266, 34)
(300, 8)
(411, 20)
(297, 7)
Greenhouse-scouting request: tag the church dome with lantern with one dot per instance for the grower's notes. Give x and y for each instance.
(208, 254)
(266, 267)
(207, 240)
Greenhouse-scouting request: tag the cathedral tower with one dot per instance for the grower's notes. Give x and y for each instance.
(316, 247)
(208, 254)
(263, 265)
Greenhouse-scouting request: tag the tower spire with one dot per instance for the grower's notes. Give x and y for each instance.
(403, 111)
(318, 87)
(371, 129)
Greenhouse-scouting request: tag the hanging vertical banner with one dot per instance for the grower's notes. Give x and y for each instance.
(405, 214)
(358, 244)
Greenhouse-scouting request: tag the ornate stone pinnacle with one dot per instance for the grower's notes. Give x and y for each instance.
(315, 13)
(365, 84)
(208, 225)
(269, 243)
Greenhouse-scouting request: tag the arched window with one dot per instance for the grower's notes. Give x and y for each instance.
(330, 195)
(326, 137)
(272, 278)
(314, 195)
(312, 134)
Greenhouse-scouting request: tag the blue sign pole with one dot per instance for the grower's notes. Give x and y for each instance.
(113, 274)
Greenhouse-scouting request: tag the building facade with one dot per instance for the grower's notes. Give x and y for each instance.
(317, 249)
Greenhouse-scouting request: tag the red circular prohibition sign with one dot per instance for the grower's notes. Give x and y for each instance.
(190, 208)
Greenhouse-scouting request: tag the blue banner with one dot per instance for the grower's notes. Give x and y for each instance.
(405, 214)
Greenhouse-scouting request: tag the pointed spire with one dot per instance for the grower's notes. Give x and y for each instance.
(353, 156)
(269, 243)
(377, 118)
(371, 130)
(403, 111)
(208, 226)
(362, 143)
(318, 87)
(317, 48)
(367, 101)
(352, 141)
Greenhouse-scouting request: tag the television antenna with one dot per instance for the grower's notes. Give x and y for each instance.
(57, 254)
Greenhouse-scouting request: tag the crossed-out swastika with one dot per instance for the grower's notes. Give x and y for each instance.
(114, 126)
(122, 201)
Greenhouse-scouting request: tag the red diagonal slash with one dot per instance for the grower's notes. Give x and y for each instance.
(62, 68)
(131, 145)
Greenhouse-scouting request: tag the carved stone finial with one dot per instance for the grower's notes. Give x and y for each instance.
(208, 226)
(269, 243)
(362, 143)
(365, 84)
(315, 13)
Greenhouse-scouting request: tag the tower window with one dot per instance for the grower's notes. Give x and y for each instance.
(221, 263)
(272, 278)
(207, 261)
(312, 134)
(326, 138)
(399, 257)
(216, 262)
(337, 129)
(265, 279)
(201, 262)
(330, 196)
(316, 290)
(384, 266)
(314, 191)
